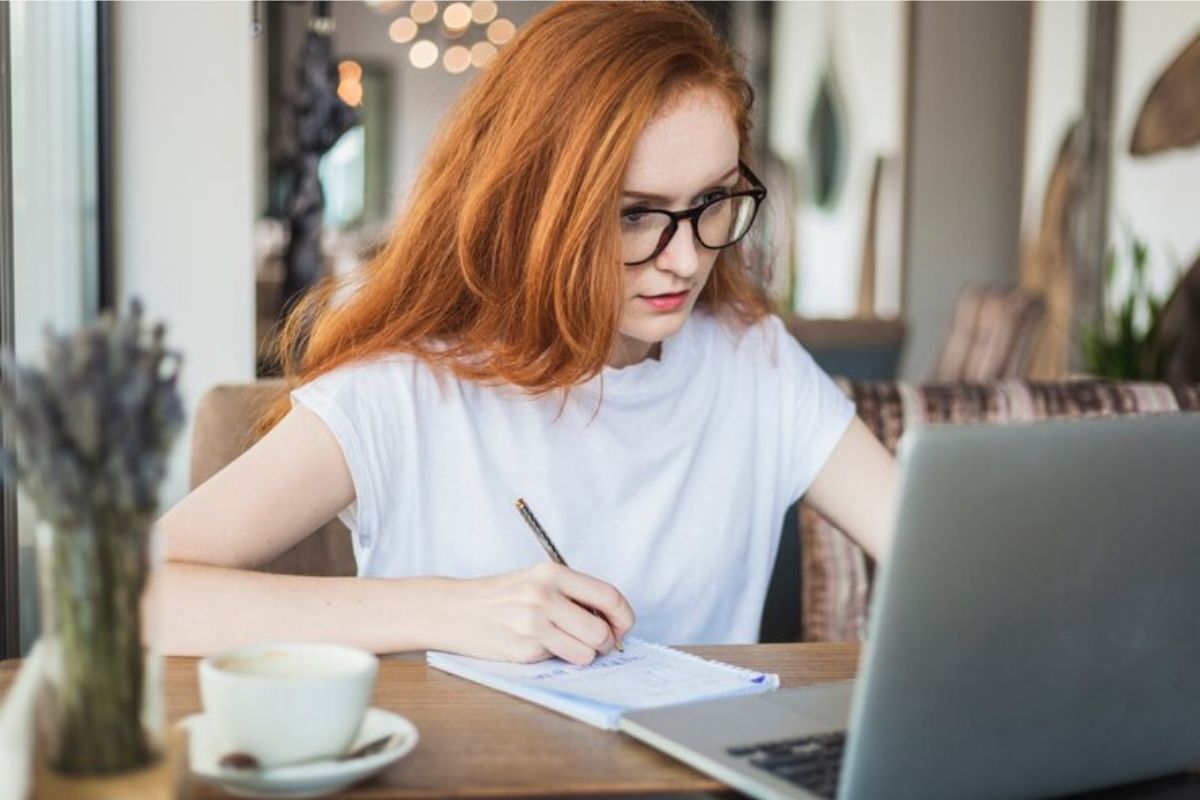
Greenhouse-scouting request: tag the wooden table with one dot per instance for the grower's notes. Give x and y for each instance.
(476, 742)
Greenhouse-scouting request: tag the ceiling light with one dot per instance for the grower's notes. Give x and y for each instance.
(457, 59)
(482, 53)
(500, 31)
(424, 54)
(483, 11)
(423, 11)
(402, 30)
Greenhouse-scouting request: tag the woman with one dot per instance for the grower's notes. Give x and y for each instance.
(563, 313)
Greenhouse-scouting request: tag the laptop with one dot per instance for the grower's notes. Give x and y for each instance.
(1036, 631)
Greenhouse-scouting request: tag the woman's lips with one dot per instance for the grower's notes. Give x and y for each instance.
(665, 302)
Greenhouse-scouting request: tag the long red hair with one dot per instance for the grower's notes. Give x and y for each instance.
(505, 266)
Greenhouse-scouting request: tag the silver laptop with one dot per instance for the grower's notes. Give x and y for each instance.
(1036, 631)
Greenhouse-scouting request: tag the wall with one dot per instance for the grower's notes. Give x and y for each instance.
(866, 42)
(968, 69)
(1156, 196)
(184, 178)
(1056, 73)
(1153, 197)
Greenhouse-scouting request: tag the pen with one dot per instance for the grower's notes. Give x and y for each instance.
(544, 540)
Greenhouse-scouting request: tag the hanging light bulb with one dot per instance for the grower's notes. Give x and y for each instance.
(382, 6)
(423, 55)
(482, 53)
(483, 11)
(501, 31)
(457, 59)
(423, 11)
(402, 30)
(457, 17)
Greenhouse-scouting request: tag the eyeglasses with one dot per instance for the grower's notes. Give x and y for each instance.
(716, 223)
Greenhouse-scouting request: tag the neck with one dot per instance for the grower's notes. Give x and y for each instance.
(627, 352)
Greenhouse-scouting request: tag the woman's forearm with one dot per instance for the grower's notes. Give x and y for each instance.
(198, 609)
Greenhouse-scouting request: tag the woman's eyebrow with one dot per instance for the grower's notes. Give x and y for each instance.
(659, 197)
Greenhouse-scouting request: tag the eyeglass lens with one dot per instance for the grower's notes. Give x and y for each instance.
(720, 225)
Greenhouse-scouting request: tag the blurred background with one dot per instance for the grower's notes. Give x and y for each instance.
(959, 190)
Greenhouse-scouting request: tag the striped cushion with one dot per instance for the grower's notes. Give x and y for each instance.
(836, 573)
(992, 334)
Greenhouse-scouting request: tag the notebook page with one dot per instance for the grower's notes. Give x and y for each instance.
(646, 675)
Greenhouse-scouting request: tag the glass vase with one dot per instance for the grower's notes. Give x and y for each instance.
(100, 711)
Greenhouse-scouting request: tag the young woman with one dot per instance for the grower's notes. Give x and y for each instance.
(564, 313)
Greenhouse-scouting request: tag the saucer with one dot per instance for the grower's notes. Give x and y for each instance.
(310, 779)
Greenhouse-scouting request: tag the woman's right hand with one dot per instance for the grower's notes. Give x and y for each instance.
(536, 613)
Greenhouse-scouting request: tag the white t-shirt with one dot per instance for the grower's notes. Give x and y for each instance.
(673, 489)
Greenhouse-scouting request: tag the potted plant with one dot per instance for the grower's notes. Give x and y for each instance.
(89, 436)
(1126, 342)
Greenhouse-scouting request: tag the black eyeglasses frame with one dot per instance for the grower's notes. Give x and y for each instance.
(757, 190)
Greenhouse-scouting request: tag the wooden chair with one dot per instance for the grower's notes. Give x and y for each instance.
(992, 335)
(224, 428)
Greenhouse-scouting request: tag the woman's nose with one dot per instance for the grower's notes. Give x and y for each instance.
(681, 255)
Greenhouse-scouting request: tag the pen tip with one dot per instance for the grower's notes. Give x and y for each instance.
(520, 502)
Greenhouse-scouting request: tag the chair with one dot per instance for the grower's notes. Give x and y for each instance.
(225, 418)
(837, 576)
(992, 335)
(1180, 328)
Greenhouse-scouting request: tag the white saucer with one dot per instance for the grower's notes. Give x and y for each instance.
(311, 779)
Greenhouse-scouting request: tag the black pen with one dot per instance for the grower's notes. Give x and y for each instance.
(552, 551)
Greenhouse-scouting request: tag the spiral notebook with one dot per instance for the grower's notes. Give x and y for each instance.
(646, 675)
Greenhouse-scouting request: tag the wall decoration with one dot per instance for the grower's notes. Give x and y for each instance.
(1170, 116)
(320, 118)
(826, 140)
(1050, 264)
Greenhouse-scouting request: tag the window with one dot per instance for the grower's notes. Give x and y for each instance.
(52, 207)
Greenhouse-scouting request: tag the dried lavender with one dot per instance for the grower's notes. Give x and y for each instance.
(89, 439)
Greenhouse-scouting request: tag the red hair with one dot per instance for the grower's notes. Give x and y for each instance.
(505, 265)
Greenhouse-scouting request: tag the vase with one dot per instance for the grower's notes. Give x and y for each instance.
(100, 710)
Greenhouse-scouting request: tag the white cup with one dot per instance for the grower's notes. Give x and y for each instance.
(287, 703)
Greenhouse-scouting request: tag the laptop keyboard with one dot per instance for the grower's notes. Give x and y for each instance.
(811, 762)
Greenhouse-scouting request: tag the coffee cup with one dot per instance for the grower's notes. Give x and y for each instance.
(287, 703)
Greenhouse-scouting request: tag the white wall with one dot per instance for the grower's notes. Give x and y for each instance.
(867, 42)
(184, 179)
(1157, 197)
(1152, 197)
(969, 70)
(1056, 74)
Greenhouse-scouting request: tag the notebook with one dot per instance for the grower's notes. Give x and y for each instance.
(646, 675)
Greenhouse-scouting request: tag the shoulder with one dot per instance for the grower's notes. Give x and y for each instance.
(390, 375)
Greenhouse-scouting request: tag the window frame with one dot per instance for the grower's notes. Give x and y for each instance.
(10, 620)
(105, 278)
